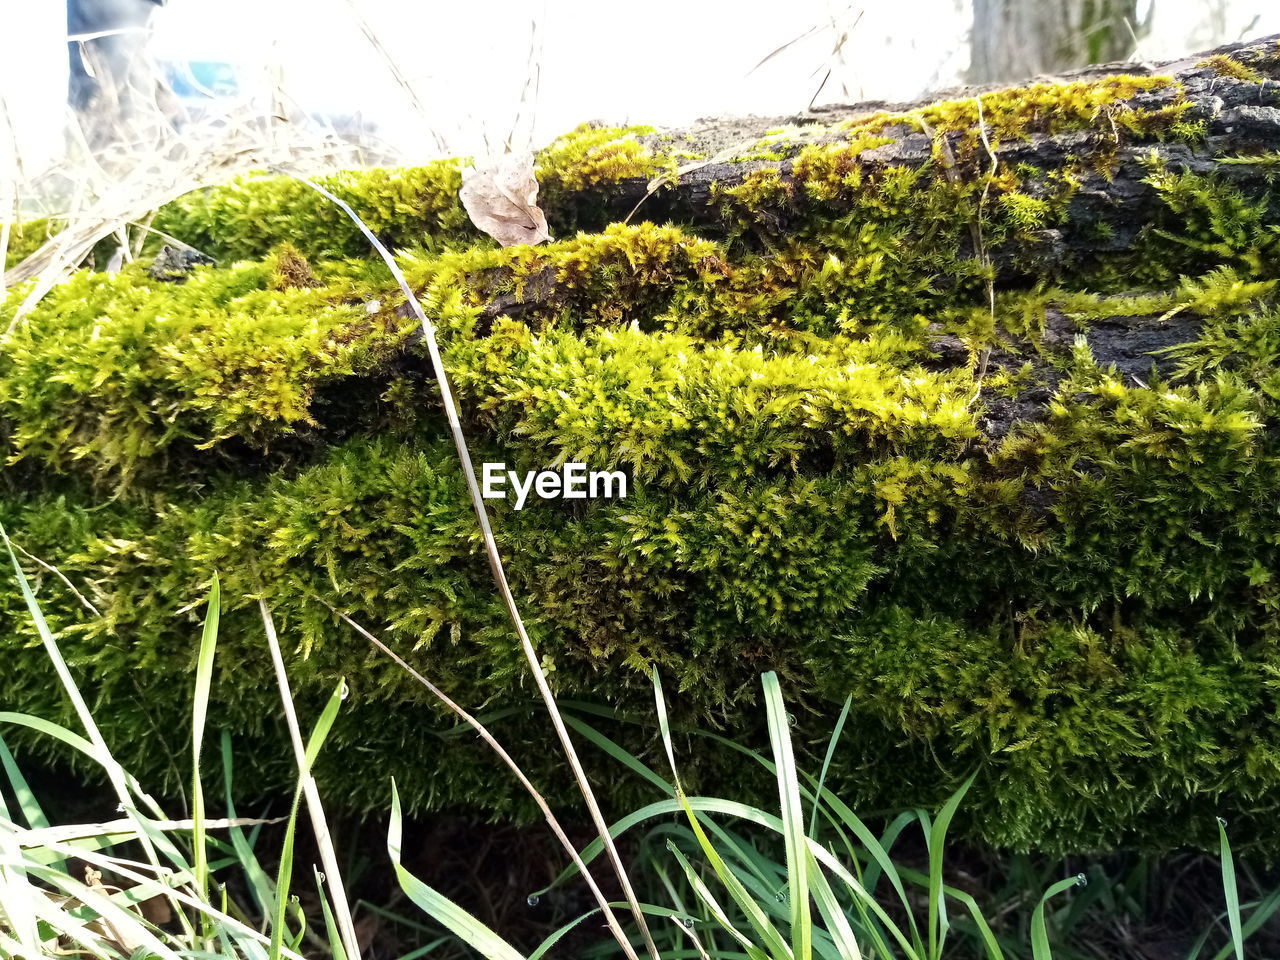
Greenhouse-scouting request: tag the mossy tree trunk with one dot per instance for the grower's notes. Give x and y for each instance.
(968, 410)
(1016, 39)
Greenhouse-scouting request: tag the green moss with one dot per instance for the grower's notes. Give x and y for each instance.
(25, 239)
(620, 275)
(1052, 108)
(592, 155)
(1042, 108)
(678, 411)
(290, 269)
(414, 207)
(1026, 212)
(113, 371)
(253, 213)
(1076, 599)
(1225, 65)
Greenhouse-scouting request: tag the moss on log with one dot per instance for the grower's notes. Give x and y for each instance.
(969, 411)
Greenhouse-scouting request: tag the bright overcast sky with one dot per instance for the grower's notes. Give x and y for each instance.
(660, 62)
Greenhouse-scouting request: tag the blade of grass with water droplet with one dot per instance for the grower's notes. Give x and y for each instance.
(466, 927)
(330, 926)
(1040, 948)
(709, 901)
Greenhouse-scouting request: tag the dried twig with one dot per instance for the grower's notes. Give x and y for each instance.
(42, 836)
(320, 826)
(499, 572)
(60, 575)
(496, 746)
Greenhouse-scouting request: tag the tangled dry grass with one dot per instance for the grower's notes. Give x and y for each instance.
(140, 145)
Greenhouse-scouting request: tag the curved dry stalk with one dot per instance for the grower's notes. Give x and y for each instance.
(320, 826)
(42, 836)
(61, 576)
(495, 560)
(493, 744)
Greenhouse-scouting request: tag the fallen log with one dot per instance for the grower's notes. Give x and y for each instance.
(968, 410)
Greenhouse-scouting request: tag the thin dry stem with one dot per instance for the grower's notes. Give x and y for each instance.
(496, 746)
(60, 575)
(320, 826)
(42, 836)
(496, 566)
(117, 173)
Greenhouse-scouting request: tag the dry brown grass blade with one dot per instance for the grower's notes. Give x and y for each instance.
(115, 175)
(496, 746)
(42, 836)
(8, 194)
(497, 568)
(393, 67)
(315, 809)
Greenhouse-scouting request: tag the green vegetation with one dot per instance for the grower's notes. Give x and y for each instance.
(730, 879)
(25, 239)
(882, 440)
(414, 207)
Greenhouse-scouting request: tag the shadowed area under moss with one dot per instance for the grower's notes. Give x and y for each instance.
(970, 411)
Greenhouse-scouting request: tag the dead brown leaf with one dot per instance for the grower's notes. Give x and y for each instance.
(502, 200)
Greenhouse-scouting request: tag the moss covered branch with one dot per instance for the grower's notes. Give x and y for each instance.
(970, 410)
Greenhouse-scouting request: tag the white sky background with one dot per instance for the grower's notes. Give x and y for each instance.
(660, 62)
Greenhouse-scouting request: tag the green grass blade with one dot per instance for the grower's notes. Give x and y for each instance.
(763, 871)
(259, 883)
(664, 724)
(769, 936)
(17, 893)
(826, 763)
(707, 898)
(878, 849)
(22, 792)
(152, 841)
(797, 850)
(937, 836)
(750, 814)
(985, 933)
(1229, 889)
(113, 770)
(833, 914)
(1263, 911)
(1040, 948)
(318, 736)
(336, 950)
(199, 715)
(462, 924)
(619, 753)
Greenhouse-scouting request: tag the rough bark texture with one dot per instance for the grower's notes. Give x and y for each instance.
(1016, 39)
(1240, 116)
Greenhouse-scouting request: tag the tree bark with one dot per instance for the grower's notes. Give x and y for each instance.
(1238, 119)
(1012, 39)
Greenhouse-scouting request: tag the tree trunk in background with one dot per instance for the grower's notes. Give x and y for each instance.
(106, 82)
(1016, 39)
